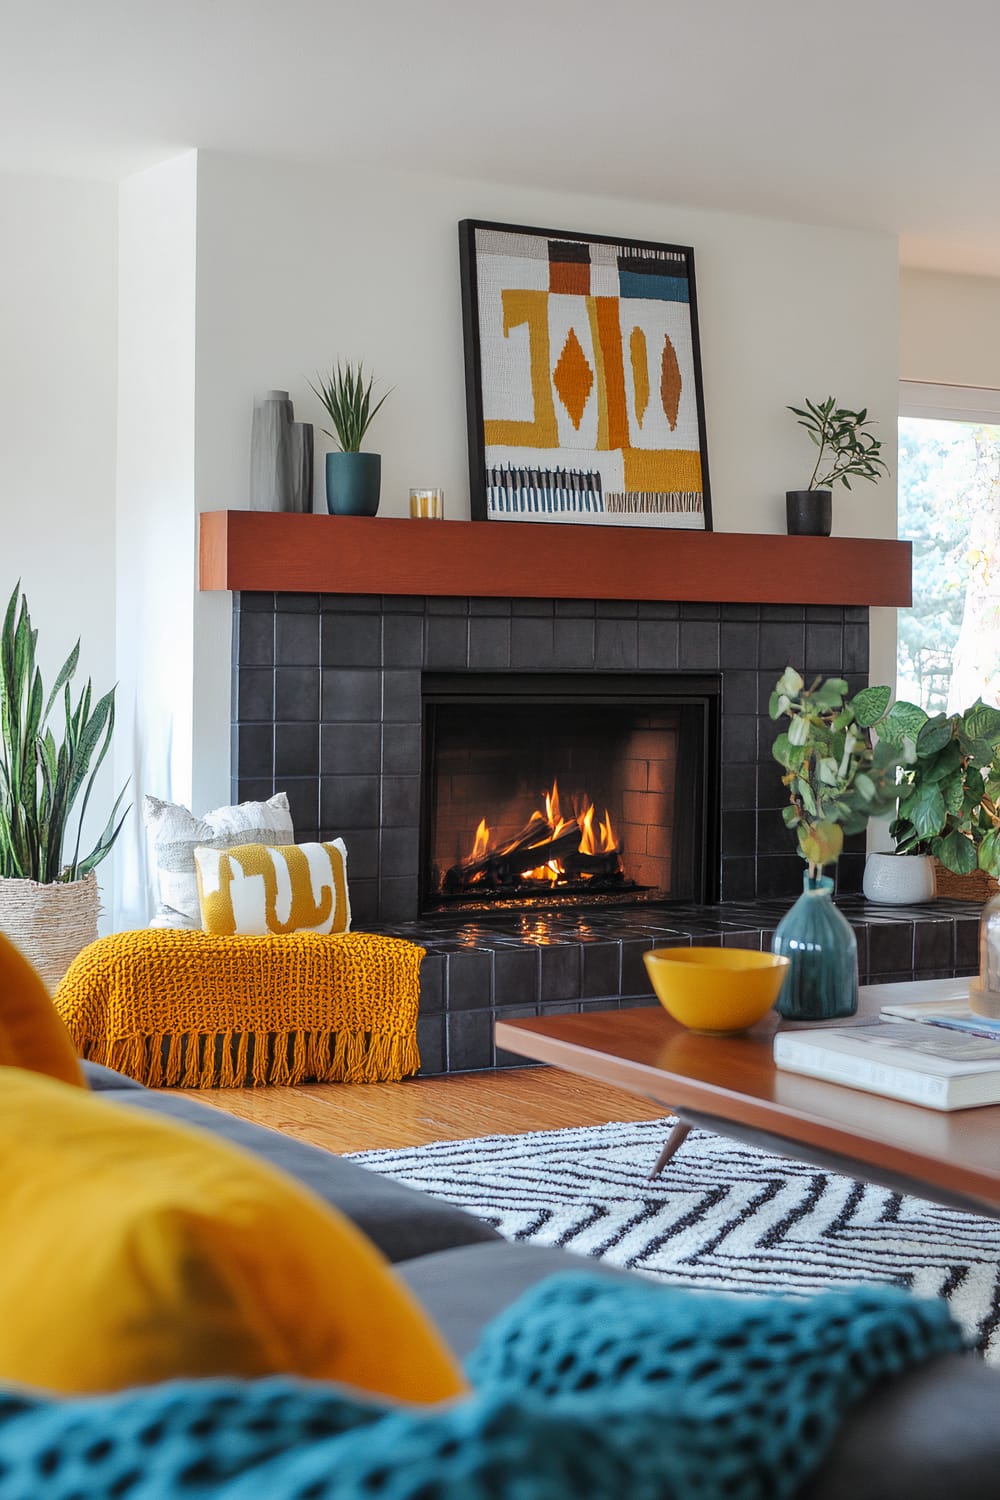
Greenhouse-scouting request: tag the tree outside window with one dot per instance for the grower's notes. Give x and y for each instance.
(949, 507)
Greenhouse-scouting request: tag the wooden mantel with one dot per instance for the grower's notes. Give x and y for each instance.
(265, 552)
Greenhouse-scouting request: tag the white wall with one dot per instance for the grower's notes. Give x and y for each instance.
(156, 522)
(57, 425)
(949, 328)
(301, 265)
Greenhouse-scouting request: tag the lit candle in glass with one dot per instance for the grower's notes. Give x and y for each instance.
(427, 505)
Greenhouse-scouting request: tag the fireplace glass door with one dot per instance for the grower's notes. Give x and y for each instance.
(571, 790)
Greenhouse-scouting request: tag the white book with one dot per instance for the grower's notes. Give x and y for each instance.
(957, 1015)
(930, 1065)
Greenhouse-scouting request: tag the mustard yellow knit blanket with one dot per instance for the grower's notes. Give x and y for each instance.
(193, 1010)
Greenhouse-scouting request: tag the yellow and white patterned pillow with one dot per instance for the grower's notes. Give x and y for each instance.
(262, 888)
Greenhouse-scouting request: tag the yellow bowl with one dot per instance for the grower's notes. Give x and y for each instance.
(715, 990)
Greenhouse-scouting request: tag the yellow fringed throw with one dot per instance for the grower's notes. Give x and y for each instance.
(191, 1010)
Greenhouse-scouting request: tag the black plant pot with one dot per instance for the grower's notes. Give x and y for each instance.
(809, 512)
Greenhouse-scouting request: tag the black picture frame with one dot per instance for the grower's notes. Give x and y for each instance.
(569, 260)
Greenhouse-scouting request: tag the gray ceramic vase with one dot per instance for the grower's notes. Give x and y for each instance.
(271, 477)
(302, 467)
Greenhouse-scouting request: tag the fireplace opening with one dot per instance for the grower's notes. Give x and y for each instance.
(572, 790)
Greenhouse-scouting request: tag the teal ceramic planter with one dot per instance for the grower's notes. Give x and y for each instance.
(822, 979)
(353, 481)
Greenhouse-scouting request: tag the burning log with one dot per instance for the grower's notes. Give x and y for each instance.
(593, 866)
(575, 850)
(534, 846)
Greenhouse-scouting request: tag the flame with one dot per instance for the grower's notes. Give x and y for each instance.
(484, 839)
(597, 836)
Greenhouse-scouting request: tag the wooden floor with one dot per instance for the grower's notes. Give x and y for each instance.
(371, 1116)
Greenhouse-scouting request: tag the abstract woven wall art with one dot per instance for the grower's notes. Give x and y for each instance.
(583, 379)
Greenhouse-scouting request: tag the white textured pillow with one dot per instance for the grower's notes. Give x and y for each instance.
(175, 834)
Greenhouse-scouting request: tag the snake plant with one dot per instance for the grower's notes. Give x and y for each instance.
(348, 402)
(44, 771)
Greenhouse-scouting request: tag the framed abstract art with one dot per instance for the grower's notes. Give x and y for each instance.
(583, 379)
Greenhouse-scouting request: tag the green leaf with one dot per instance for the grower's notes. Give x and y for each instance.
(826, 770)
(957, 853)
(830, 694)
(903, 721)
(989, 853)
(952, 789)
(798, 731)
(805, 792)
(982, 722)
(865, 786)
(926, 811)
(822, 843)
(870, 704)
(934, 736)
(782, 751)
(789, 683)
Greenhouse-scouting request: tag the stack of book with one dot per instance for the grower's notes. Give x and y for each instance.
(936, 1053)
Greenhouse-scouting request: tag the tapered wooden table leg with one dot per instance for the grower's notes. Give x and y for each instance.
(673, 1143)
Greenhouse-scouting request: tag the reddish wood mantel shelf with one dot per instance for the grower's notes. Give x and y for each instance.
(265, 551)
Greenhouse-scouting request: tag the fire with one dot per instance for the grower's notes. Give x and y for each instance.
(596, 838)
(483, 840)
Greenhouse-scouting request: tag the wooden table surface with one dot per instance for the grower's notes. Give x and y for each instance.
(731, 1084)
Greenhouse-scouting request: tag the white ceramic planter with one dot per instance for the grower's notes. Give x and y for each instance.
(899, 879)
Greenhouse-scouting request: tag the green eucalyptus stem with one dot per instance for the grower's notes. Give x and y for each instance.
(845, 443)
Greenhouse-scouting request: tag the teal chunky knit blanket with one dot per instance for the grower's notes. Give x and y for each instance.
(585, 1389)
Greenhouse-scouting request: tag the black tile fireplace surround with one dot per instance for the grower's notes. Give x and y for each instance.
(327, 707)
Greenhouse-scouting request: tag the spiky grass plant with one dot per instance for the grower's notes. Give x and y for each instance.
(41, 778)
(349, 403)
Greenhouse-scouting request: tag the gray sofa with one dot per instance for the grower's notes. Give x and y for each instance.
(932, 1434)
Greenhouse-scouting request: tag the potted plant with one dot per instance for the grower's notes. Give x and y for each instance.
(836, 780)
(353, 478)
(847, 450)
(48, 889)
(948, 795)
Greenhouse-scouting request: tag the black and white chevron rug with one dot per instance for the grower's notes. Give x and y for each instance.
(721, 1215)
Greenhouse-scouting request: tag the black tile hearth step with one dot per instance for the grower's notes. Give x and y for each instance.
(479, 969)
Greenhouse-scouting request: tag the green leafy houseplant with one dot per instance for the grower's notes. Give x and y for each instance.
(348, 402)
(836, 778)
(43, 772)
(847, 447)
(949, 789)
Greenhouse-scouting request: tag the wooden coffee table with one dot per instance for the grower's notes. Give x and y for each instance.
(730, 1085)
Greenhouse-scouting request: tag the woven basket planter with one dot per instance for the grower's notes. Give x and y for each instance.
(978, 886)
(50, 923)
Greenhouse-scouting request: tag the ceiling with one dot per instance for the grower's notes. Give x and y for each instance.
(880, 114)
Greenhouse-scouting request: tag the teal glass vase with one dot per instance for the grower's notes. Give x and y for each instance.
(822, 979)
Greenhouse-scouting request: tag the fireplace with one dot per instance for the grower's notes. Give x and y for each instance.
(330, 705)
(567, 790)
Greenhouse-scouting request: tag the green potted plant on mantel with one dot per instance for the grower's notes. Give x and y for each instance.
(48, 889)
(847, 450)
(948, 800)
(836, 780)
(353, 478)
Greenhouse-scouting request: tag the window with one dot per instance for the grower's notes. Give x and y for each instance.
(948, 651)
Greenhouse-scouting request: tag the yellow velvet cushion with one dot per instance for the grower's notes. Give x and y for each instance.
(136, 1250)
(31, 1032)
(266, 888)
